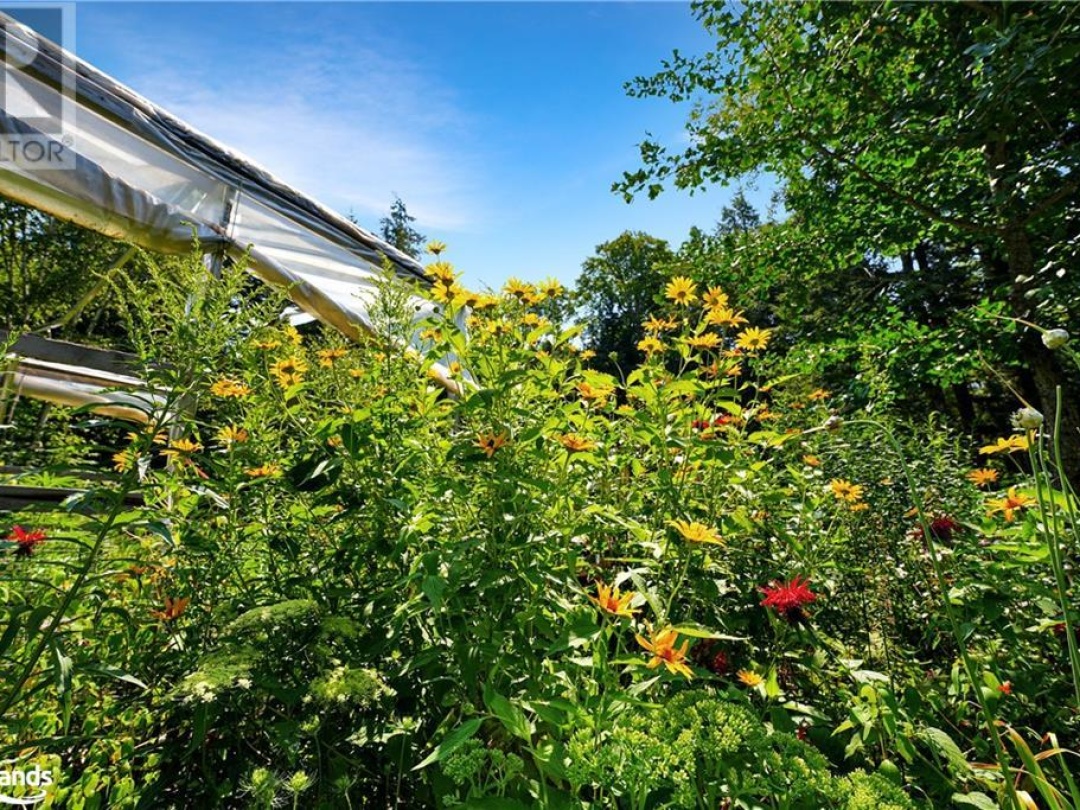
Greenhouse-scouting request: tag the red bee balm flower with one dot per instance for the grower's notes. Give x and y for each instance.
(26, 540)
(788, 598)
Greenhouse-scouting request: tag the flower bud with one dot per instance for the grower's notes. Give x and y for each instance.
(1055, 338)
(1027, 419)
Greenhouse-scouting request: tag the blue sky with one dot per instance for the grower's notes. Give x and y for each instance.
(502, 125)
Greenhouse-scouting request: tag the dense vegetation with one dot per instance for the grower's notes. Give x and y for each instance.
(780, 523)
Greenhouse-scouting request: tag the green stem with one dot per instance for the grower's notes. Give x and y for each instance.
(1048, 514)
(954, 623)
(69, 597)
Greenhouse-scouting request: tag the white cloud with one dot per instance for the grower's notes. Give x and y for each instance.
(347, 121)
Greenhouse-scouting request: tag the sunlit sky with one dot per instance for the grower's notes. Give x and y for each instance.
(502, 125)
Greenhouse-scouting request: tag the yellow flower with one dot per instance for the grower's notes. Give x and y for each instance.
(705, 341)
(266, 345)
(442, 272)
(1009, 445)
(751, 339)
(715, 298)
(328, 356)
(656, 325)
(229, 388)
(587, 354)
(819, 394)
(179, 450)
(485, 302)
(289, 371)
(357, 373)
(593, 394)
(811, 461)
(124, 460)
(444, 292)
(1009, 504)
(681, 290)
(491, 442)
(519, 289)
(697, 532)
(846, 491)
(230, 434)
(662, 647)
(734, 371)
(650, 345)
(610, 600)
(983, 477)
(577, 444)
(725, 316)
(749, 678)
(293, 334)
(551, 288)
(435, 247)
(264, 471)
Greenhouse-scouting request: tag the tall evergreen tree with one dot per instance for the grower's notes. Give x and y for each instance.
(397, 229)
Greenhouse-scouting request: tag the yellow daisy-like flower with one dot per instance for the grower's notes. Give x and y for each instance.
(442, 272)
(846, 491)
(703, 342)
(587, 354)
(357, 373)
(662, 647)
(715, 298)
(293, 334)
(289, 371)
(752, 339)
(491, 442)
(485, 301)
(180, 449)
(231, 434)
(1009, 505)
(264, 471)
(1007, 445)
(124, 460)
(551, 288)
(226, 387)
(611, 601)
(519, 289)
(266, 345)
(435, 247)
(596, 394)
(811, 461)
(655, 326)
(697, 532)
(734, 371)
(818, 395)
(650, 345)
(681, 290)
(749, 678)
(725, 316)
(328, 356)
(983, 477)
(577, 444)
(446, 293)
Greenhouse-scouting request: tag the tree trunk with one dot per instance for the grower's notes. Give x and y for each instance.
(1047, 371)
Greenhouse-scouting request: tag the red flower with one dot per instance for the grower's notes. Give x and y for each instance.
(26, 540)
(1006, 688)
(942, 528)
(788, 598)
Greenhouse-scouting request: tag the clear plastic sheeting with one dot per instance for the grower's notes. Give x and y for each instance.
(131, 170)
(128, 169)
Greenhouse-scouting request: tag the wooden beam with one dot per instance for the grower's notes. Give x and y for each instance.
(18, 498)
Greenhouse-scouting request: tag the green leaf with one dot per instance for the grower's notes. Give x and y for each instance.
(511, 716)
(980, 800)
(452, 742)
